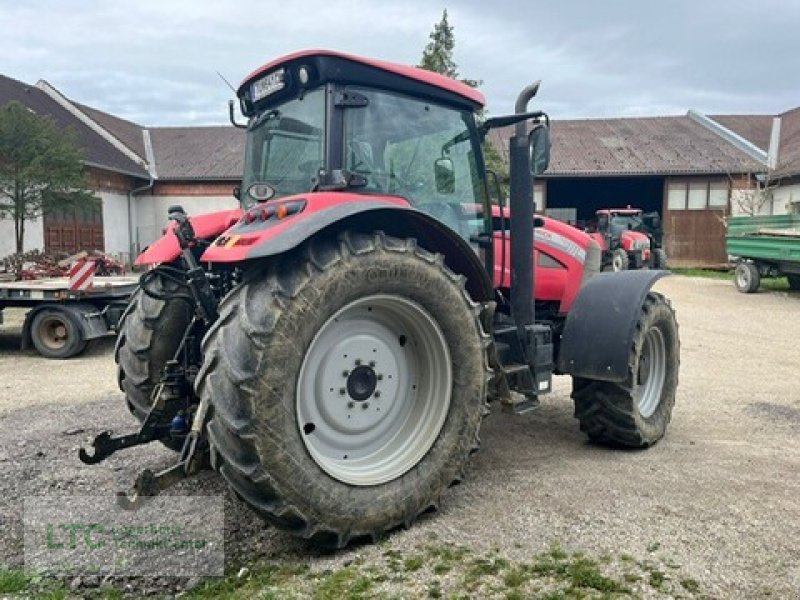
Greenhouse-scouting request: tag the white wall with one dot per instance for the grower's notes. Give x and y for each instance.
(115, 223)
(34, 236)
(785, 195)
(151, 212)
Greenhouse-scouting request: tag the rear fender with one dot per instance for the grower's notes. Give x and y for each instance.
(329, 213)
(599, 329)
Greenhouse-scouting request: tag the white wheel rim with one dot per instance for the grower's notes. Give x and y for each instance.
(651, 372)
(617, 262)
(374, 390)
(742, 276)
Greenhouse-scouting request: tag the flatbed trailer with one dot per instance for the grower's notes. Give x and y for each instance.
(764, 246)
(61, 321)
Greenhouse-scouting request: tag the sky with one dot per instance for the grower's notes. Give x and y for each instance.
(155, 62)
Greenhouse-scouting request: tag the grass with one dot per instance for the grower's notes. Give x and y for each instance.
(774, 284)
(433, 570)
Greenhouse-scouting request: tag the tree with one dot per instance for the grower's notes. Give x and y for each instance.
(438, 57)
(438, 54)
(40, 166)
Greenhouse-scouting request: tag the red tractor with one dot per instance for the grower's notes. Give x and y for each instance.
(629, 239)
(333, 346)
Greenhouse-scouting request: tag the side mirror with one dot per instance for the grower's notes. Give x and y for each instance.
(539, 144)
(445, 176)
(237, 192)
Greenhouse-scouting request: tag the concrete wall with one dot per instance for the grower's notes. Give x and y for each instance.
(34, 236)
(783, 196)
(151, 212)
(115, 224)
(742, 201)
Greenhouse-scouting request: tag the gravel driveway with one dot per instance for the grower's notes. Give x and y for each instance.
(719, 496)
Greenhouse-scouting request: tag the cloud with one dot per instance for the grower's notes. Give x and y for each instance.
(155, 62)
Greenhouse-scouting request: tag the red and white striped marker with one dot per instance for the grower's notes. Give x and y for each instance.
(81, 275)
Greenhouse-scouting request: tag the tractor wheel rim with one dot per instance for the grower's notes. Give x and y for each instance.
(374, 390)
(651, 372)
(53, 333)
(617, 263)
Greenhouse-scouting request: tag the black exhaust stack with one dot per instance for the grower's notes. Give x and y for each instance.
(522, 211)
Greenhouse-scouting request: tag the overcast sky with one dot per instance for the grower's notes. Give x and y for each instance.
(155, 61)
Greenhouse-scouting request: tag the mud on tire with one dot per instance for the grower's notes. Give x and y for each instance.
(253, 357)
(149, 336)
(624, 413)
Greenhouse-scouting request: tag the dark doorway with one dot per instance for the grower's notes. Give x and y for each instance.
(588, 194)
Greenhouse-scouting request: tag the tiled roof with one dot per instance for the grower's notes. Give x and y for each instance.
(789, 151)
(638, 146)
(198, 152)
(97, 151)
(127, 132)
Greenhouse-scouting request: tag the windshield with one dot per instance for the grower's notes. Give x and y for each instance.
(620, 223)
(285, 147)
(421, 151)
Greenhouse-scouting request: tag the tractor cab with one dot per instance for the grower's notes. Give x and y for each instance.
(329, 122)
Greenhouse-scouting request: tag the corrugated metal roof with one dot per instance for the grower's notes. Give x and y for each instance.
(198, 152)
(97, 151)
(637, 146)
(755, 129)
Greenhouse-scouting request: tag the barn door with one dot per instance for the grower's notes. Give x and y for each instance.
(70, 229)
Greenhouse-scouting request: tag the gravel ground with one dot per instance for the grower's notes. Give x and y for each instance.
(719, 496)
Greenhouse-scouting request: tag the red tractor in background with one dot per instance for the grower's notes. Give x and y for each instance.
(333, 346)
(629, 239)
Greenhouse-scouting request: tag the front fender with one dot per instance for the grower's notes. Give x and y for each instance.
(599, 330)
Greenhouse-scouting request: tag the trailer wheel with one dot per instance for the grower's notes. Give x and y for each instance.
(149, 336)
(348, 381)
(620, 260)
(794, 281)
(746, 277)
(635, 412)
(660, 259)
(55, 334)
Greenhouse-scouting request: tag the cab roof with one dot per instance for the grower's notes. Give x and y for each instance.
(329, 65)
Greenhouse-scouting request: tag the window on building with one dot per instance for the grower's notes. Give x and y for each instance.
(697, 194)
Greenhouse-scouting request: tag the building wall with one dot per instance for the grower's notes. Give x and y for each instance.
(784, 196)
(151, 212)
(33, 240)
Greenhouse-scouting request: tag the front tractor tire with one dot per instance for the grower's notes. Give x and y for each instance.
(635, 412)
(348, 381)
(620, 260)
(149, 335)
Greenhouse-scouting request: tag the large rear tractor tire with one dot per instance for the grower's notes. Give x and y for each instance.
(620, 260)
(746, 277)
(149, 335)
(636, 412)
(348, 381)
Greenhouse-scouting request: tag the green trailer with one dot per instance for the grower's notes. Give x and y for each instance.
(764, 246)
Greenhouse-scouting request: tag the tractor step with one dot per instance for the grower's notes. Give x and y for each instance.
(520, 404)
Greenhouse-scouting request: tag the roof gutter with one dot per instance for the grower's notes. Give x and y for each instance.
(133, 238)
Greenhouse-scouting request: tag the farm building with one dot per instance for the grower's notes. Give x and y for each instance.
(694, 170)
